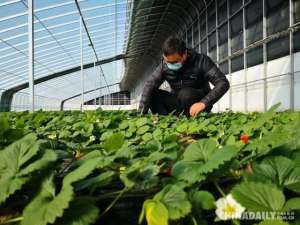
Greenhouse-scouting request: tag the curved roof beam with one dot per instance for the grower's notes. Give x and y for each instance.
(149, 29)
(160, 19)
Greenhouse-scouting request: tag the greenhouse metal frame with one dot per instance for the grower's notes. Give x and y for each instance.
(156, 112)
(237, 35)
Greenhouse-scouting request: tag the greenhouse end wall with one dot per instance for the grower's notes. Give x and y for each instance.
(250, 97)
(256, 44)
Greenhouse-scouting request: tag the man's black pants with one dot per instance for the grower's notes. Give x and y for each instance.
(164, 102)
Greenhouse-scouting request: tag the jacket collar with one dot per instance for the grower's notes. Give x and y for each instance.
(191, 56)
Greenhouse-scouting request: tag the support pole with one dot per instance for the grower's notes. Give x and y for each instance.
(245, 59)
(217, 46)
(229, 54)
(31, 53)
(95, 71)
(199, 36)
(292, 81)
(206, 24)
(81, 64)
(95, 103)
(265, 55)
(192, 28)
(116, 39)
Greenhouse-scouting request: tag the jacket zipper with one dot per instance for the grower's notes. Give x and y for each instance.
(181, 78)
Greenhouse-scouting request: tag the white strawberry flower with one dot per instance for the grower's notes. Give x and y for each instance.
(51, 136)
(229, 208)
(92, 138)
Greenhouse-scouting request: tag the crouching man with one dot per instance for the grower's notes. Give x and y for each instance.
(188, 74)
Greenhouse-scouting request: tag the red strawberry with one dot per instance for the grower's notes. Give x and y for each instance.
(244, 138)
(169, 171)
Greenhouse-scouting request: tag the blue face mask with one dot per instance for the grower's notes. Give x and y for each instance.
(174, 66)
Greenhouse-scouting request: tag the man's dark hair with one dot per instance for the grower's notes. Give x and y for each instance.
(173, 45)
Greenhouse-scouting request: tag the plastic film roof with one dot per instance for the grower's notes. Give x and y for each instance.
(57, 43)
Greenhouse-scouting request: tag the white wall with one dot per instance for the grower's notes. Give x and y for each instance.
(255, 88)
(278, 87)
(297, 81)
(109, 107)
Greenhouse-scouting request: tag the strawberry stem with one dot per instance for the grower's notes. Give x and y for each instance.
(219, 189)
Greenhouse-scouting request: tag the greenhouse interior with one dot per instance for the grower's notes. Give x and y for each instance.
(151, 112)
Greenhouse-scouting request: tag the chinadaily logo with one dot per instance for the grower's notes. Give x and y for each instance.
(268, 216)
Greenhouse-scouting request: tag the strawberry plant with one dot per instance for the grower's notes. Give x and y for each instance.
(74, 168)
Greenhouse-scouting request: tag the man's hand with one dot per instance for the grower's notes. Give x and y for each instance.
(196, 108)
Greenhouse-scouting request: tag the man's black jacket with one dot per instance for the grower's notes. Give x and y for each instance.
(197, 72)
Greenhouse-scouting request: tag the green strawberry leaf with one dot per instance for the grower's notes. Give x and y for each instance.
(82, 211)
(188, 171)
(176, 201)
(114, 142)
(279, 170)
(256, 196)
(220, 157)
(273, 222)
(147, 137)
(141, 121)
(48, 205)
(142, 130)
(202, 200)
(262, 146)
(292, 204)
(156, 213)
(200, 150)
(18, 161)
(207, 151)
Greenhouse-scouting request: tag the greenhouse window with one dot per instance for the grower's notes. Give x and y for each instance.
(237, 63)
(278, 48)
(254, 56)
(236, 32)
(277, 16)
(254, 22)
(224, 67)
(222, 11)
(235, 5)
